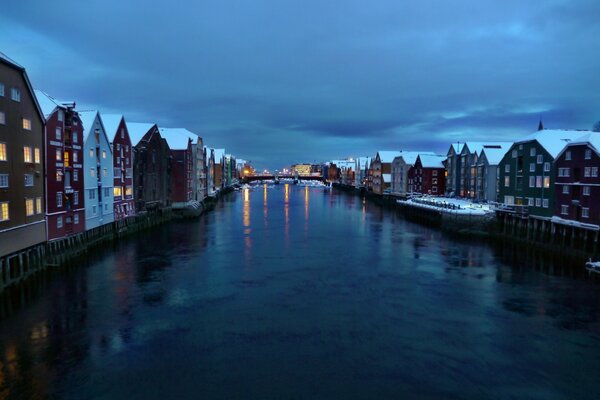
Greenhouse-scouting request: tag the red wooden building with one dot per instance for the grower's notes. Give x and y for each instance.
(65, 208)
(180, 142)
(577, 180)
(116, 129)
(427, 175)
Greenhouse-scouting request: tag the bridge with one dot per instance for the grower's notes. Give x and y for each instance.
(254, 178)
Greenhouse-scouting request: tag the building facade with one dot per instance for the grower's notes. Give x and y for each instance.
(123, 190)
(65, 196)
(427, 175)
(381, 170)
(98, 178)
(400, 167)
(22, 205)
(577, 186)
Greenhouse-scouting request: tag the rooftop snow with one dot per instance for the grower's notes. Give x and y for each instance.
(178, 138)
(111, 124)
(388, 156)
(432, 160)
(47, 103)
(219, 154)
(137, 130)
(477, 147)
(410, 157)
(553, 140)
(592, 138)
(494, 156)
(9, 60)
(87, 121)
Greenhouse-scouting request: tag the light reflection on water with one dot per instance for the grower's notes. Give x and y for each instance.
(329, 297)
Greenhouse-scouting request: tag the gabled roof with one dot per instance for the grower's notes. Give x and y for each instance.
(111, 123)
(386, 156)
(432, 160)
(362, 162)
(590, 138)
(553, 140)
(219, 154)
(178, 137)
(47, 103)
(456, 148)
(410, 157)
(137, 130)
(87, 121)
(494, 155)
(477, 147)
(12, 63)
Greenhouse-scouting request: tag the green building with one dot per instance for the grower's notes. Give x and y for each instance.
(526, 173)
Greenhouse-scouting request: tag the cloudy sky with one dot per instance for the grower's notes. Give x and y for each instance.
(279, 81)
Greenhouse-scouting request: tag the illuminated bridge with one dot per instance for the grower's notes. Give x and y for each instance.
(253, 178)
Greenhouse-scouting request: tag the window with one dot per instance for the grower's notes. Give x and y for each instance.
(565, 189)
(585, 212)
(1, 89)
(105, 207)
(26, 123)
(538, 202)
(546, 166)
(58, 155)
(104, 172)
(434, 181)
(588, 154)
(75, 156)
(128, 191)
(568, 155)
(530, 201)
(59, 199)
(59, 176)
(514, 154)
(3, 180)
(540, 159)
(75, 175)
(532, 167)
(586, 190)
(532, 181)
(76, 219)
(92, 194)
(15, 94)
(75, 137)
(106, 192)
(59, 222)
(2, 118)
(2, 151)
(564, 172)
(76, 198)
(538, 181)
(103, 153)
(4, 211)
(546, 182)
(93, 210)
(27, 156)
(38, 205)
(92, 172)
(60, 115)
(532, 152)
(118, 146)
(117, 191)
(594, 172)
(118, 160)
(28, 207)
(507, 181)
(507, 168)
(91, 152)
(28, 180)
(37, 155)
(587, 171)
(122, 133)
(58, 133)
(564, 209)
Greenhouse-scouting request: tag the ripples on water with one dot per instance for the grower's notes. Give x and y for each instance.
(292, 292)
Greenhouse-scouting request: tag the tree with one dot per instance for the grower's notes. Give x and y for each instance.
(596, 126)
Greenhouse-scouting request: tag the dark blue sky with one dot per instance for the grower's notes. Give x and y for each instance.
(277, 82)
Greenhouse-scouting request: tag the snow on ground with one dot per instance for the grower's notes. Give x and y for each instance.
(449, 205)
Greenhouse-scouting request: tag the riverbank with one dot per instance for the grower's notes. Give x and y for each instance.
(545, 234)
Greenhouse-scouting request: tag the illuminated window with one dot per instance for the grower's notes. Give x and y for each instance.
(37, 155)
(59, 176)
(27, 156)
(3, 180)
(128, 191)
(38, 205)
(29, 207)
(28, 180)
(2, 151)
(546, 182)
(66, 159)
(4, 211)
(117, 191)
(26, 124)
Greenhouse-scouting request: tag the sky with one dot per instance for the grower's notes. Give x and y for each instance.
(279, 82)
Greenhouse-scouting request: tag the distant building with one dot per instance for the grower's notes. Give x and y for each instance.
(180, 142)
(526, 172)
(200, 184)
(361, 167)
(123, 190)
(98, 177)
(486, 186)
(400, 167)
(301, 169)
(453, 170)
(577, 186)
(22, 219)
(152, 161)
(218, 169)
(427, 175)
(65, 194)
(381, 170)
(469, 156)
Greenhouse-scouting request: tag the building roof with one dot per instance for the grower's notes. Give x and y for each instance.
(12, 63)
(387, 156)
(111, 123)
(495, 155)
(87, 121)
(137, 130)
(410, 157)
(553, 140)
(178, 138)
(362, 162)
(432, 160)
(457, 147)
(387, 178)
(589, 138)
(477, 147)
(219, 154)
(47, 103)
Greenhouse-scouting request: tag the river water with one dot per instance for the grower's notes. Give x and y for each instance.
(301, 293)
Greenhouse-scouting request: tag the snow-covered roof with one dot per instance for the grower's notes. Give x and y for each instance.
(9, 60)
(457, 147)
(387, 156)
(87, 121)
(478, 147)
(495, 155)
(432, 160)
(343, 163)
(219, 154)
(387, 178)
(137, 130)
(410, 157)
(111, 124)
(178, 138)
(589, 137)
(47, 103)
(553, 140)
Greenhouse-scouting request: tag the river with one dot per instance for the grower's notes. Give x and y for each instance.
(301, 293)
